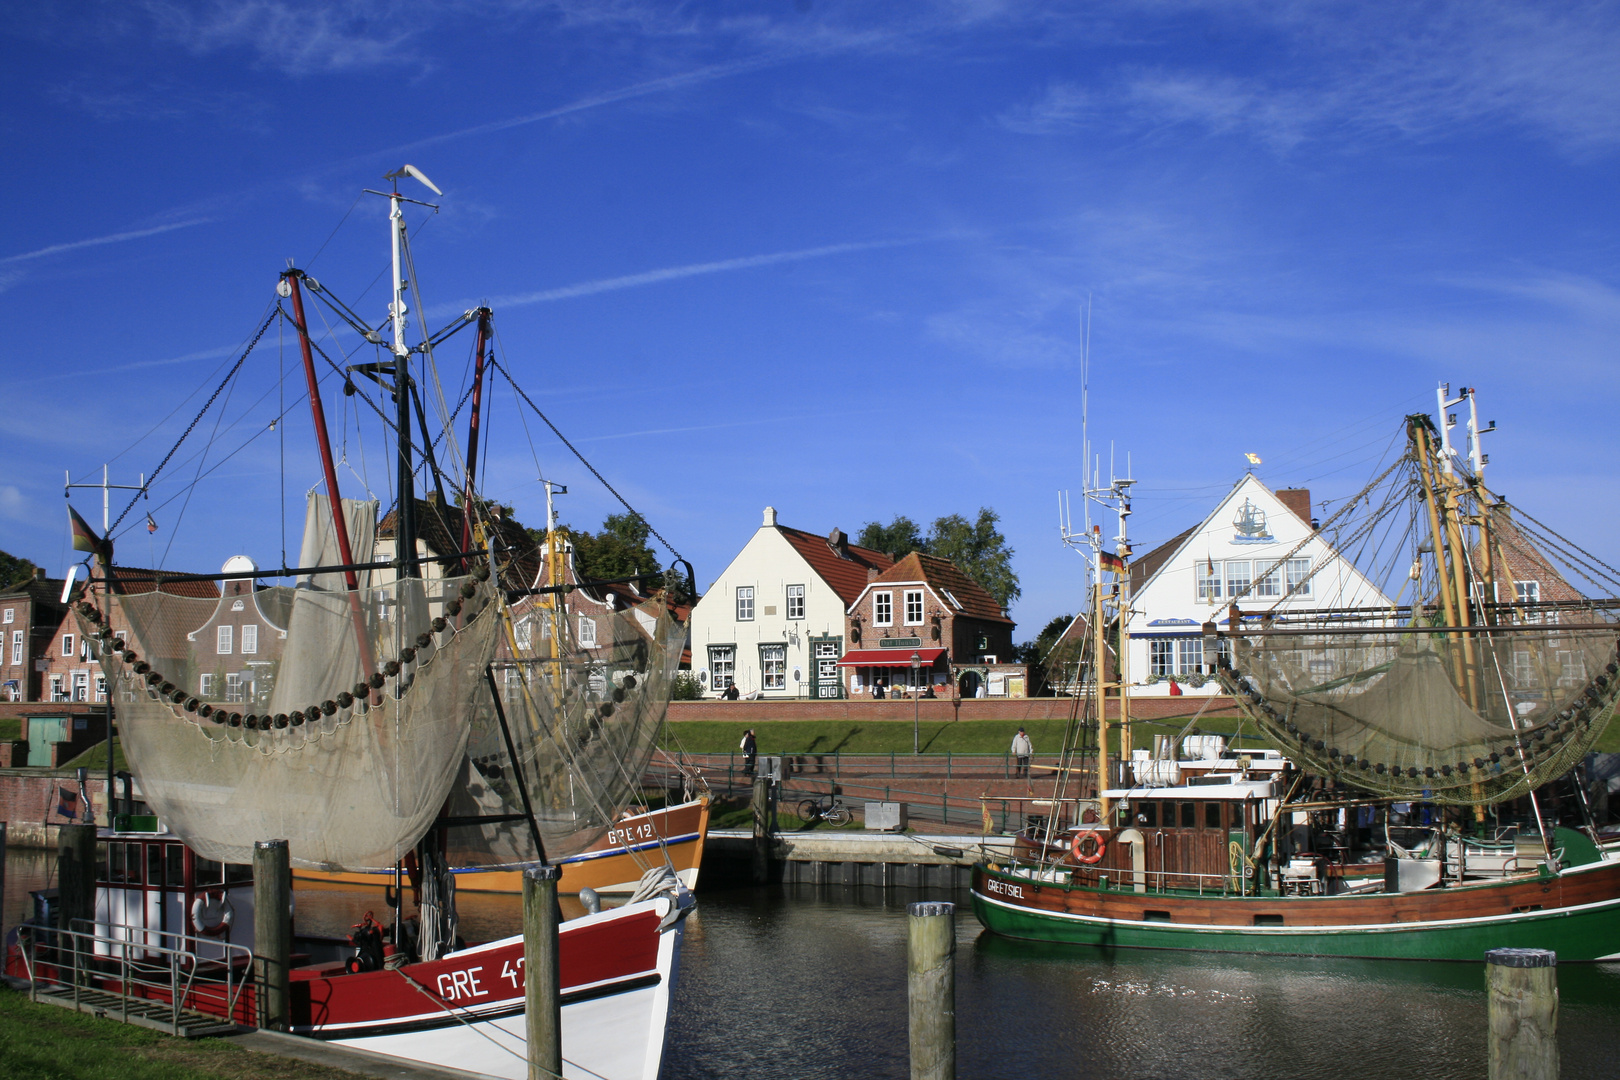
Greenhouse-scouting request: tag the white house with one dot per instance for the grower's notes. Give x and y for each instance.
(772, 624)
(1243, 551)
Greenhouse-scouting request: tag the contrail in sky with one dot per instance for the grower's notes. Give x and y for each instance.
(113, 238)
(673, 273)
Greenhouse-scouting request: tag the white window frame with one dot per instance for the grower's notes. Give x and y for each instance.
(1189, 655)
(1297, 577)
(773, 667)
(1269, 581)
(795, 601)
(57, 693)
(11, 615)
(587, 632)
(101, 686)
(745, 603)
(913, 599)
(883, 609)
(1161, 657)
(250, 639)
(16, 646)
(1236, 585)
(224, 635)
(1208, 588)
(525, 633)
(205, 686)
(67, 644)
(722, 667)
(80, 684)
(233, 687)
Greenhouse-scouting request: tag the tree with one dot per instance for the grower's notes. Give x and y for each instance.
(14, 570)
(620, 550)
(979, 550)
(1050, 659)
(897, 539)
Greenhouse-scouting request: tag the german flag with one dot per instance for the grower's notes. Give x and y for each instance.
(84, 537)
(1107, 560)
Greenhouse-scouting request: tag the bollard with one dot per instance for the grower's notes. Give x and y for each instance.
(931, 990)
(762, 828)
(272, 932)
(1522, 988)
(542, 972)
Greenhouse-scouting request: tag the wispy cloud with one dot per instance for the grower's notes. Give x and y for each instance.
(111, 238)
(676, 273)
(137, 365)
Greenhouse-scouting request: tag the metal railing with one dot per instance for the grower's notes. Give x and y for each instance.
(164, 968)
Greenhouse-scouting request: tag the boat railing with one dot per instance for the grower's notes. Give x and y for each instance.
(134, 980)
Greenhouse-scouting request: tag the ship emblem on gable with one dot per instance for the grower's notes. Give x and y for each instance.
(1250, 525)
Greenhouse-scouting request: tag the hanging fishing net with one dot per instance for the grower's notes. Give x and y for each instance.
(584, 695)
(335, 720)
(1454, 718)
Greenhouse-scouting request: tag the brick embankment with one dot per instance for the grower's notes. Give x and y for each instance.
(938, 709)
(28, 802)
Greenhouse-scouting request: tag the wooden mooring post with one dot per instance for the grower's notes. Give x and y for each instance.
(542, 972)
(931, 989)
(1522, 988)
(762, 826)
(272, 932)
(75, 875)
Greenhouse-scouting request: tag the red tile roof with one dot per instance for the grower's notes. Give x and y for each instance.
(843, 567)
(942, 574)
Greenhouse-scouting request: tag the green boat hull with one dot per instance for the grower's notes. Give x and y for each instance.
(1586, 932)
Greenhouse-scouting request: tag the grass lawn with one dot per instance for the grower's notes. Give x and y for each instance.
(10, 728)
(95, 758)
(45, 1042)
(894, 736)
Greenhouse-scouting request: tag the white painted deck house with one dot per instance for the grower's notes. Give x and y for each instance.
(1192, 579)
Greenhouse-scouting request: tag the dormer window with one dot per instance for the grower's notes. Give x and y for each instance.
(883, 609)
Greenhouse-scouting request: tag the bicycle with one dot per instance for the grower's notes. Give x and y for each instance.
(832, 811)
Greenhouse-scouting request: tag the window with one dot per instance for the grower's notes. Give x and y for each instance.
(1269, 583)
(222, 640)
(1524, 672)
(67, 644)
(511, 684)
(1209, 581)
(11, 615)
(1571, 668)
(1528, 592)
(16, 647)
(205, 686)
(525, 633)
(1189, 818)
(587, 632)
(1190, 655)
(81, 686)
(722, 666)
(1212, 815)
(101, 687)
(250, 639)
(745, 603)
(773, 667)
(883, 609)
(57, 693)
(1298, 577)
(1237, 578)
(1161, 657)
(914, 607)
(233, 686)
(795, 602)
(955, 603)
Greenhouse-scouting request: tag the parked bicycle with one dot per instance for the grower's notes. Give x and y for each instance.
(830, 809)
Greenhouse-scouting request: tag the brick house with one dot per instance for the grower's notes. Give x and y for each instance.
(926, 605)
(30, 616)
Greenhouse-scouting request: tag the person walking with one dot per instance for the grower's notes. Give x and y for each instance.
(1021, 749)
(749, 748)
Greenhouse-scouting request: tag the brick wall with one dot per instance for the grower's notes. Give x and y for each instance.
(936, 710)
(28, 805)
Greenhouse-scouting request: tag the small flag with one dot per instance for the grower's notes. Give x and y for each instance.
(1254, 459)
(151, 526)
(1107, 560)
(1210, 566)
(84, 537)
(69, 805)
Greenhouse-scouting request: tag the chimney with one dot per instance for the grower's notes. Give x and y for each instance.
(1298, 500)
(770, 517)
(39, 573)
(871, 573)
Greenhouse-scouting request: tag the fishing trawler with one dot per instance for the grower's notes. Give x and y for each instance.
(1399, 812)
(343, 713)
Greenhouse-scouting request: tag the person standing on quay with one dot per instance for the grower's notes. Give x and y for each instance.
(749, 748)
(1021, 749)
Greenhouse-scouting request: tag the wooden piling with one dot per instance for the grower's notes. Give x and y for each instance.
(272, 932)
(1522, 988)
(931, 990)
(542, 971)
(76, 875)
(762, 828)
(2, 879)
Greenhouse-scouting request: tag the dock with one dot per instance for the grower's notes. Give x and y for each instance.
(884, 860)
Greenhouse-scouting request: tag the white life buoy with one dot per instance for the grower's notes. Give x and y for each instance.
(212, 918)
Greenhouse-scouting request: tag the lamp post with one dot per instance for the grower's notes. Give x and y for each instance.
(916, 695)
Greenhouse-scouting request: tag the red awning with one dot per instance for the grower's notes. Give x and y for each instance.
(889, 657)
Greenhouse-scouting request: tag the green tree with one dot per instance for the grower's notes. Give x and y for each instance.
(979, 550)
(14, 570)
(897, 539)
(1048, 657)
(620, 550)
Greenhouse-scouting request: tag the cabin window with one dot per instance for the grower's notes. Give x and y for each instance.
(1147, 815)
(1189, 816)
(1212, 815)
(1268, 920)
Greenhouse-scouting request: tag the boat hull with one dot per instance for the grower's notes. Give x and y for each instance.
(1576, 914)
(613, 866)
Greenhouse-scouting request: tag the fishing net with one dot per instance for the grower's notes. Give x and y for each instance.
(335, 720)
(584, 695)
(1464, 719)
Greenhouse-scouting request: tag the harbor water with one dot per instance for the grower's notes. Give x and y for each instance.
(806, 982)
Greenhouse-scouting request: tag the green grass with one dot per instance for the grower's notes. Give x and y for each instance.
(95, 758)
(10, 728)
(46, 1042)
(894, 736)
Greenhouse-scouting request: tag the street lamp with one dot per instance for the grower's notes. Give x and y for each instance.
(916, 695)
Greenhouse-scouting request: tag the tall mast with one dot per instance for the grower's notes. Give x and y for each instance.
(473, 431)
(405, 519)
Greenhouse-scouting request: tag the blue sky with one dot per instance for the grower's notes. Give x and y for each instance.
(824, 256)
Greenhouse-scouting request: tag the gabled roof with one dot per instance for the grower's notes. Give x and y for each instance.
(944, 576)
(843, 567)
(151, 580)
(1148, 565)
(1525, 561)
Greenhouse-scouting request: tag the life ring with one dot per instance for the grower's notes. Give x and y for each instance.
(212, 918)
(1098, 838)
